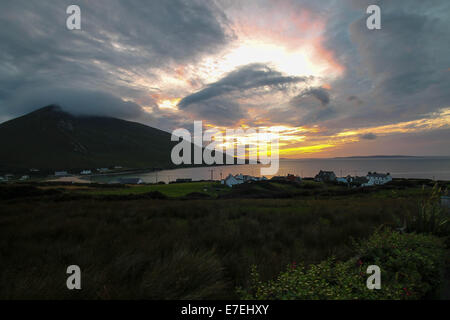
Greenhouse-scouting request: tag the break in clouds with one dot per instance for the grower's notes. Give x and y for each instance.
(166, 63)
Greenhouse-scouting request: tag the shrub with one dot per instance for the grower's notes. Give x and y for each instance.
(155, 195)
(410, 269)
(196, 195)
(24, 191)
(431, 217)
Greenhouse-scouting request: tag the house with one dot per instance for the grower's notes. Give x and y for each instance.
(239, 179)
(325, 176)
(183, 180)
(276, 178)
(231, 181)
(130, 180)
(24, 177)
(102, 170)
(247, 178)
(2, 179)
(289, 177)
(342, 180)
(377, 178)
(86, 172)
(360, 181)
(61, 173)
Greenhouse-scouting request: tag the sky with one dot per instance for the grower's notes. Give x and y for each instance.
(310, 69)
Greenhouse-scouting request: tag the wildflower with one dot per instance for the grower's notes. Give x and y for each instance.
(407, 291)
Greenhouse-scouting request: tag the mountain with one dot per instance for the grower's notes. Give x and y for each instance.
(52, 139)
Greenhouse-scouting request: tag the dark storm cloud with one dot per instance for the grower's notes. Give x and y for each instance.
(368, 136)
(398, 73)
(313, 104)
(401, 71)
(78, 102)
(356, 100)
(221, 112)
(320, 94)
(401, 57)
(118, 38)
(318, 115)
(253, 76)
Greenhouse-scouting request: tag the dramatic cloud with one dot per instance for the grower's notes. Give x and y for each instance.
(401, 71)
(77, 102)
(319, 93)
(122, 47)
(310, 68)
(254, 76)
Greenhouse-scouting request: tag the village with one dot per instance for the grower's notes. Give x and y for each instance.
(371, 179)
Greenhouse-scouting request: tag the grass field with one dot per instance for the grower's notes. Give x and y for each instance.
(179, 248)
(214, 189)
(170, 190)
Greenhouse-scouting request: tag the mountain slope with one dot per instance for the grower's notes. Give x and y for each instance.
(51, 139)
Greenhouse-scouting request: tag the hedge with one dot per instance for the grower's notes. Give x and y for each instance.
(410, 264)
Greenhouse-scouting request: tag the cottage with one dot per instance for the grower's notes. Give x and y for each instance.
(360, 181)
(377, 178)
(231, 181)
(276, 178)
(342, 180)
(325, 176)
(248, 178)
(294, 178)
(289, 177)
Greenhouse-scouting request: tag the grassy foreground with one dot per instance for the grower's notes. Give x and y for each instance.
(143, 248)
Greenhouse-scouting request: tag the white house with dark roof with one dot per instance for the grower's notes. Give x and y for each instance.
(325, 176)
(231, 180)
(377, 178)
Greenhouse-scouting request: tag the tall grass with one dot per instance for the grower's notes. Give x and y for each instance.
(430, 217)
(177, 249)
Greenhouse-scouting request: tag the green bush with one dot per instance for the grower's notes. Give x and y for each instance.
(431, 217)
(410, 269)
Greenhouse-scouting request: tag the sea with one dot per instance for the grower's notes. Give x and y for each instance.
(436, 168)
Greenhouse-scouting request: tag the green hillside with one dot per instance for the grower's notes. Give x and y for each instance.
(51, 139)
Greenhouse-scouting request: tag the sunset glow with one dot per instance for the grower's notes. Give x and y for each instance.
(313, 73)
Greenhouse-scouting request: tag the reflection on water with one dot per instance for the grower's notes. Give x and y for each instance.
(414, 167)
